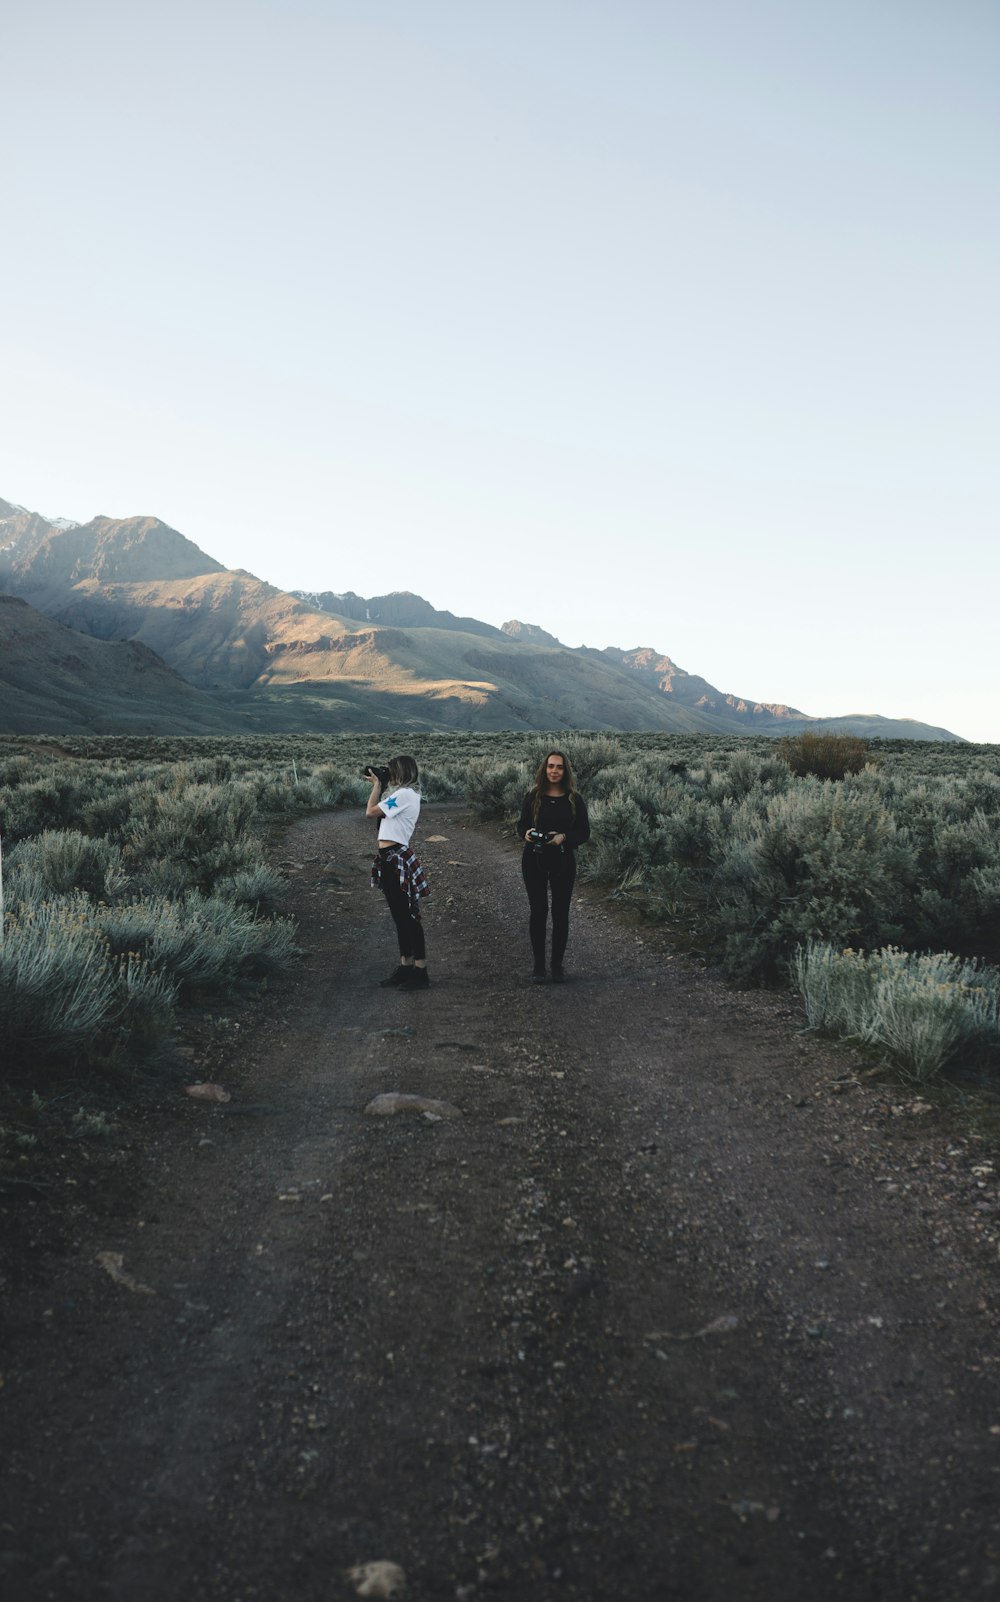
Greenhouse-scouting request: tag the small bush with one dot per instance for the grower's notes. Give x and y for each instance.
(146, 1002)
(922, 1009)
(60, 861)
(827, 756)
(199, 943)
(589, 756)
(822, 862)
(496, 789)
(622, 844)
(57, 986)
(440, 784)
(89, 982)
(252, 887)
(51, 802)
(335, 788)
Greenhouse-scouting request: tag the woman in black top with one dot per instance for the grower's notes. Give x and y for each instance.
(552, 824)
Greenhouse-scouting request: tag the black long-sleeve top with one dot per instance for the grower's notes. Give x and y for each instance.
(556, 816)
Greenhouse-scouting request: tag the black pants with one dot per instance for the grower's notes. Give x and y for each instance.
(409, 930)
(545, 873)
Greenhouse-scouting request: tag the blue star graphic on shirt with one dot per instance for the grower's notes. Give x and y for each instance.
(392, 802)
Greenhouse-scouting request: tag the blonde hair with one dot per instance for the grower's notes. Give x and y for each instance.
(402, 770)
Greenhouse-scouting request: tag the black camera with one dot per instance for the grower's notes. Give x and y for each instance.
(537, 837)
(372, 772)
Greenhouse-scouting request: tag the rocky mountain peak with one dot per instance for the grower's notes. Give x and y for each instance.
(528, 633)
(43, 557)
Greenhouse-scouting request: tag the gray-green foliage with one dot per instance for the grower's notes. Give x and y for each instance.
(496, 789)
(922, 1009)
(820, 860)
(905, 854)
(199, 941)
(63, 860)
(159, 889)
(91, 978)
(62, 989)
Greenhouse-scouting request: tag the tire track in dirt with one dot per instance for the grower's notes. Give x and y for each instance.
(642, 1321)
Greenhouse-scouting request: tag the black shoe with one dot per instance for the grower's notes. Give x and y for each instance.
(539, 977)
(558, 977)
(416, 978)
(397, 977)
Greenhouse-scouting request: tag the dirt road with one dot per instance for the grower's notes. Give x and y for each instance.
(660, 1314)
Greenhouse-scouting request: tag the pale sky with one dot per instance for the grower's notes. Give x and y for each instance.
(653, 323)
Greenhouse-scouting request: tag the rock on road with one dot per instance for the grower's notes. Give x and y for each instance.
(644, 1312)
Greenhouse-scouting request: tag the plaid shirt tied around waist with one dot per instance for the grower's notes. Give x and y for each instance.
(412, 878)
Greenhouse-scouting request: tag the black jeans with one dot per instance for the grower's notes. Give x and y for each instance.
(409, 930)
(548, 872)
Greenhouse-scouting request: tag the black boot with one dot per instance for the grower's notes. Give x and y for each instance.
(397, 977)
(416, 978)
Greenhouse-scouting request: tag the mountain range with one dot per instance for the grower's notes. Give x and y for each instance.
(124, 624)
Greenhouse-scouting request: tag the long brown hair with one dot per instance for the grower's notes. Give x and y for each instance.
(541, 781)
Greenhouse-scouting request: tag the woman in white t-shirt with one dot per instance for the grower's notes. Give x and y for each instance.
(396, 871)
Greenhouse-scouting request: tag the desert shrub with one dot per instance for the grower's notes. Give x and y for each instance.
(53, 801)
(273, 797)
(89, 980)
(589, 755)
(17, 769)
(689, 829)
(821, 861)
(116, 797)
(981, 789)
(496, 789)
(834, 987)
(743, 774)
(200, 943)
(65, 994)
(57, 986)
(257, 887)
(984, 885)
(296, 790)
(826, 756)
(441, 783)
(338, 788)
(169, 878)
(921, 1009)
(622, 844)
(608, 781)
(206, 832)
(62, 860)
(957, 901)
(146, 1001)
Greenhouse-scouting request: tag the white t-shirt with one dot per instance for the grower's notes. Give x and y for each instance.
(402, 809)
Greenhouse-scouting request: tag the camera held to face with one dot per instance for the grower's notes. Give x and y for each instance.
(538, 839)
(372, 772)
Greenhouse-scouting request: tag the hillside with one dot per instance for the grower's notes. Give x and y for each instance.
(328, 660)
(56, 681)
